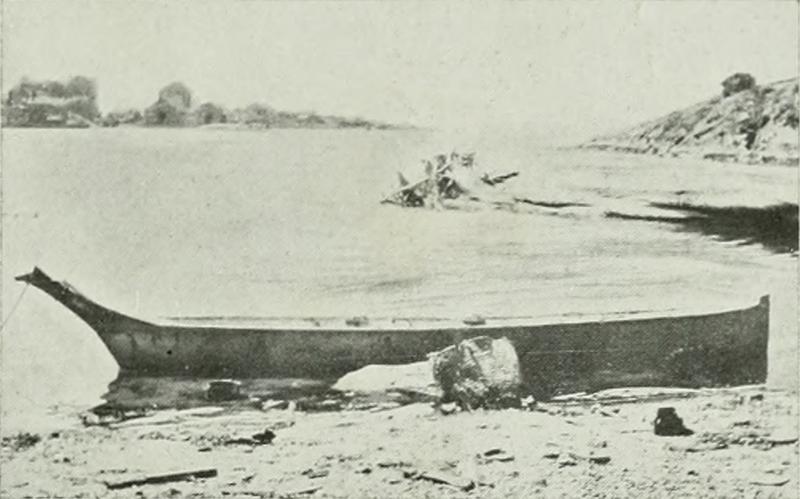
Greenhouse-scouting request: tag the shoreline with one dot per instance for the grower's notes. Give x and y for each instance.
(732, 157)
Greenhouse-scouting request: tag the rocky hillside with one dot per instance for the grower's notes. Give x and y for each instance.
(746, 123)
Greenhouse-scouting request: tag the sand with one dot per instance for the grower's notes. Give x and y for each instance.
(744, 445)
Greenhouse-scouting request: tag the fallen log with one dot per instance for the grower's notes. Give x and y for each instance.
(166, 478)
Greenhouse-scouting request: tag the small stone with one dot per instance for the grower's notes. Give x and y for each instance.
(448, 408)
(265, 437)
(600, 459)
(528, 403)
(667, 423)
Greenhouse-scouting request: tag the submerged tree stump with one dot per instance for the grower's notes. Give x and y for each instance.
(479, 372)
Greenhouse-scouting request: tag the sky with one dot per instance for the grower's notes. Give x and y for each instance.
(550, 67)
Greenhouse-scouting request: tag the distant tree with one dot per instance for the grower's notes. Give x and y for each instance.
(49, 103)
(171, 108)
(208, 113)
(55, 89)
(737, 82)
(176, 94)
(83, 107)
(81, 86)
(163, 113)
(259, 113)
(122, 116)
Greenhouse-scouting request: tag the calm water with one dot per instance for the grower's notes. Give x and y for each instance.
(208, 222)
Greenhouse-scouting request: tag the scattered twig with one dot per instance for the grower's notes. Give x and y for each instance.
(441, 478)
(166, 478)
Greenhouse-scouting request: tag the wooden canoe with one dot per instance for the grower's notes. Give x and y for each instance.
(710, 349)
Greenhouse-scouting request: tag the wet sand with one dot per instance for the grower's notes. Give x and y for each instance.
(744, 445)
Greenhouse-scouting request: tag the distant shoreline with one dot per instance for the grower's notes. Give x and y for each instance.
(73, 104)
(749, 158)
(237, 127)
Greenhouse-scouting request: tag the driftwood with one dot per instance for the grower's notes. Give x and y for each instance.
(406, 186)
(166, 478)
(497, 179)
(441, 478)
(770, 481)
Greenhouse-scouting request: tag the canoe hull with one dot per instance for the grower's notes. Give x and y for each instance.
(725, 348)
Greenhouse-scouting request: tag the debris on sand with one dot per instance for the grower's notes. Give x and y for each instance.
(263, 438)
(166, 417)
(480, 372)
(495, 455)
(166, 478)
(571, 458)
(21, 441)
(744, 437)
(271, 404)
(224, 389)
(668, 424)
(441, 478)
(312, 473)
(770, 481)
(299, 488)
(784, 436)
(447, 178)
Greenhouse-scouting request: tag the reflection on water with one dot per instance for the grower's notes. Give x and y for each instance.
(774, 226)
(159, 223)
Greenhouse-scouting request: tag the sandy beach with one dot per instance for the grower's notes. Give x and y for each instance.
(603, 445)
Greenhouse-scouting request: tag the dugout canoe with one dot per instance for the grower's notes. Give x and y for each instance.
(711, 349)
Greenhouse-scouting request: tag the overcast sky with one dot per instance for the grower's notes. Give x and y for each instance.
(582, 67)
